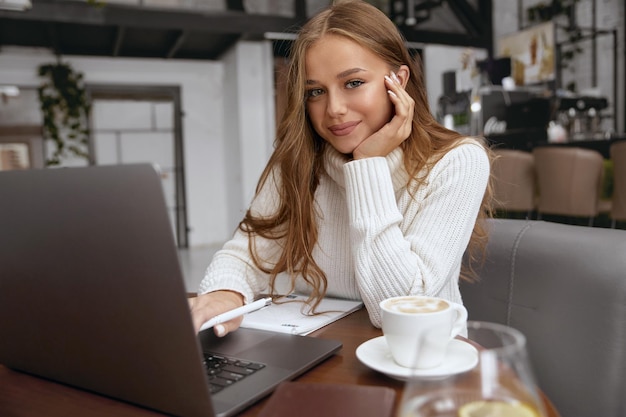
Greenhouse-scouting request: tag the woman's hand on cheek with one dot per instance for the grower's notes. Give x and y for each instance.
(393, 133)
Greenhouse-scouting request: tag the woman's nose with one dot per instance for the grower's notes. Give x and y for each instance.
(336, 104)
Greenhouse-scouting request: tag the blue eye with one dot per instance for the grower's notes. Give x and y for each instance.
(354, 83)
(314, 92)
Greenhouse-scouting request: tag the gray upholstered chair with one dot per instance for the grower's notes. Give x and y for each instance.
(514, 182)
(618, 201)
(564, 287)
(569, 181)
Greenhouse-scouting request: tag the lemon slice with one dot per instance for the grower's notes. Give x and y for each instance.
(496, 409)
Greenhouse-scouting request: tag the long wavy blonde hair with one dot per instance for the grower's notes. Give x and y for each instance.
(297, 158)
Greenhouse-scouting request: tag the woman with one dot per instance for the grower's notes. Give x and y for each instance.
(365, 196)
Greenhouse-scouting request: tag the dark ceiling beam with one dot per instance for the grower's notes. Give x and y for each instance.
(427, 5)
(235, 5)
(468, 17)
(229, 25)
(476, 23)
(120, 33)
(300, 10)
(433, 37)
(180, 40)
(485, 9)
(143, 17)
(53, 38)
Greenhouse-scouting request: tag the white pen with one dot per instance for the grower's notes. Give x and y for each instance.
(239, 311)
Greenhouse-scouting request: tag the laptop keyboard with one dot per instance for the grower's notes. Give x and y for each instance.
(225, 371)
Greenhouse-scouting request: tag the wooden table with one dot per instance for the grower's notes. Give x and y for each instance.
(23, 395)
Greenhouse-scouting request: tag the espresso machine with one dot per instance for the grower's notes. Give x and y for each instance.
(581, 116)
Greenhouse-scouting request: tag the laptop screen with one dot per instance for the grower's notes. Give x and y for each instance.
(92, 294)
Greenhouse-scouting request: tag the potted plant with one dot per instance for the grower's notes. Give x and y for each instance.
(65, 107)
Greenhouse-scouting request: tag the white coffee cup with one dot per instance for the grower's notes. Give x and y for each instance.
(418, 329)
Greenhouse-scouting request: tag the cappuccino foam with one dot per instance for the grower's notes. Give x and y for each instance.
(416, 305)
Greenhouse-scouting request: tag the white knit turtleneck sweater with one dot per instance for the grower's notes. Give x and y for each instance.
(375, 240)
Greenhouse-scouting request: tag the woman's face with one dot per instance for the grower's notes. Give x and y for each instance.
(346, 96)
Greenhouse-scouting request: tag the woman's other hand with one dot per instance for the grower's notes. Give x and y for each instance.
(393, 133)
(209, 305)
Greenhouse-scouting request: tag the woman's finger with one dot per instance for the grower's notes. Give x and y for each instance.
(207, 306)
(403, 103)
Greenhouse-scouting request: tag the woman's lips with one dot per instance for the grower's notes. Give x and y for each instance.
(343, 129)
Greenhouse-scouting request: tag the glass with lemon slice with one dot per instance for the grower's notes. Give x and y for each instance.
(500, 385)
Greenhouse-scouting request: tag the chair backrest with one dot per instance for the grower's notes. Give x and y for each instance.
(618, 156)
(569, 180)
(564, 287)
(514, 183)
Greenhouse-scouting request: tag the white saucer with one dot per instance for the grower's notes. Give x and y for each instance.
(374, 353)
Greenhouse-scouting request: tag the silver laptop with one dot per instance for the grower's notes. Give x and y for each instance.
(92, 295)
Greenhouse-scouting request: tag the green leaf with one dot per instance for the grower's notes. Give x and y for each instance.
(65, 110)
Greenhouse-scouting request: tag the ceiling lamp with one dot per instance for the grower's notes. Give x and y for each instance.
(9, 90)
(15, 5)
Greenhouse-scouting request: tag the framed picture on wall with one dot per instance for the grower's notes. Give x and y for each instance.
(21, 147)
(531, 52)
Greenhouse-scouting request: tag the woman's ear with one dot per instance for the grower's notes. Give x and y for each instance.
(403, 74)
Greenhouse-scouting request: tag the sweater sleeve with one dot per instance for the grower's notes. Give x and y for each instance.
(405, 244)
(232, 267)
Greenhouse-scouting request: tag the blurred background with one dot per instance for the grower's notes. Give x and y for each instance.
(194, 86)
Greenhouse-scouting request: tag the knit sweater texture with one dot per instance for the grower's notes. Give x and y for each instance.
(376, 240)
